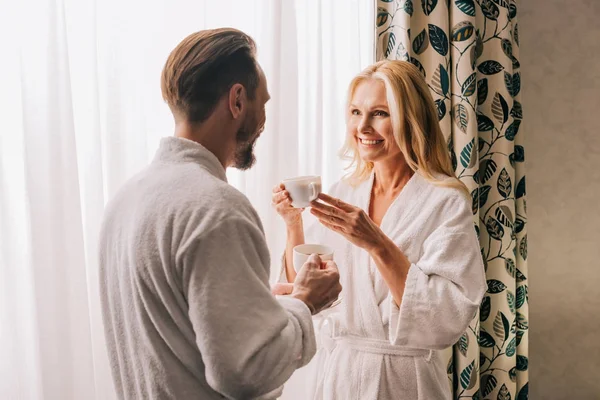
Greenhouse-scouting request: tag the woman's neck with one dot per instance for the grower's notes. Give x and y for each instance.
(391, 176)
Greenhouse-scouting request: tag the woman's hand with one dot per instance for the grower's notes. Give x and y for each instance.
(349, 221)
(282, 203)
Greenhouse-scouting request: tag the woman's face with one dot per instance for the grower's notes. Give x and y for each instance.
(370, 124)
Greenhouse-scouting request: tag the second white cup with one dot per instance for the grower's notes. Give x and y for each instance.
(303, 251)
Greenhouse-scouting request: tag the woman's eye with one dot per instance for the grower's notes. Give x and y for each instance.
(355, 112)
(380, 113)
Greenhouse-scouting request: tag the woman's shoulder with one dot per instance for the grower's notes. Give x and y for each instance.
(440, 196)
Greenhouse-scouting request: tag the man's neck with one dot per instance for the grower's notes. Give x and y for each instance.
(209, 135)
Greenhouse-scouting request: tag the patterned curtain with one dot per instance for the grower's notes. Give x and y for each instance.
(468, 51)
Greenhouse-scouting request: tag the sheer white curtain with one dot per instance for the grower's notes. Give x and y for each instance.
(81, 111)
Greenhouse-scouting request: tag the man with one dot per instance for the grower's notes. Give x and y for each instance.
(184, 264)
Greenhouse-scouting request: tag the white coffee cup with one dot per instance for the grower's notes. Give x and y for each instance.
(303, 190)
(303, 251)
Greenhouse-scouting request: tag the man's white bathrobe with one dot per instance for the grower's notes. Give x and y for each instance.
(371, 350)
(186, 303)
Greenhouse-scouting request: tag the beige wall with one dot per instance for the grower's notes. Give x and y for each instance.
(560, 58)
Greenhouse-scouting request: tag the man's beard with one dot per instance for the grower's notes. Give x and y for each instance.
(244, 152)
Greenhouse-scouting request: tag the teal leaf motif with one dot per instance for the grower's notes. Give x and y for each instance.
(478, 45)
(476, 396)
(428, 6)
(454, 161)
(517, 110)
(495, 230)
(488, 384)
(522, 363)
(486, 340)
(508, 82)
(482, 91)
(466, 155)
(511, 348)
(463, 344)
(408, 7)
(510, 267)
(461, 117)
(382, 16)
(468, 87)
(490, 10)
(495, 286)
(440, 80)
(484, 124)
(477, 231)
(462, 31)
(500, 108)
(515, 62)
(503, 393)
(466, 6)
(441, 108)
(418, 64)
(473, 57)
(401, 53)
(516, 34)
(486, 306)
(504, 215)
(507, 48)
(521, 295)
(476, 176)
(520, 191)
(523, 248)
(501, 3)
(488, 168)
(438, 39)
(516, 84)
(510, 298)
(512, 10)
(501, 326)
(522, 322)
(512, 130)
(420, 42)
(483, 195)
(519, 225)
(504, 184)
(524, 392)
(390, 39)
(519, 153)
(466, 376)
(512, 374)
(450, 368)
(490, 67)
(520, 276)
(475, 197)
(519, 337)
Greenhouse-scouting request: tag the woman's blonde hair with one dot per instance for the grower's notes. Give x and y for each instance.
(415, 124)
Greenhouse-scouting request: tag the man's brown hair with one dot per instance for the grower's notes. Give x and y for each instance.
(204, 66)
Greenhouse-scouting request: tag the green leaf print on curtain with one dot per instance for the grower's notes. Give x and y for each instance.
(468, 52)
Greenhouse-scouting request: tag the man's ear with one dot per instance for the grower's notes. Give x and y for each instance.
(237, 100)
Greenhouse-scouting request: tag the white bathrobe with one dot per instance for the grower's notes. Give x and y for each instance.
(369, 349)
(184, 269)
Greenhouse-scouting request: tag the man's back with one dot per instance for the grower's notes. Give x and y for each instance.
(168, 276)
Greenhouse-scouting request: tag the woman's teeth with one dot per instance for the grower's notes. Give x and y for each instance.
(370, 142)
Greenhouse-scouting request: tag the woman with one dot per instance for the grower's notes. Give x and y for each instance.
(402, 229)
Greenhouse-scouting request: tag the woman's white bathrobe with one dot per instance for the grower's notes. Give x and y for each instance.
(370, 349)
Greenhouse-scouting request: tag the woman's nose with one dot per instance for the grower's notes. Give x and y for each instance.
(364, 126)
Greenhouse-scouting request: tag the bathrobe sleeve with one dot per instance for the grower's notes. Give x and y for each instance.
(445, 286)
(251, 342)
